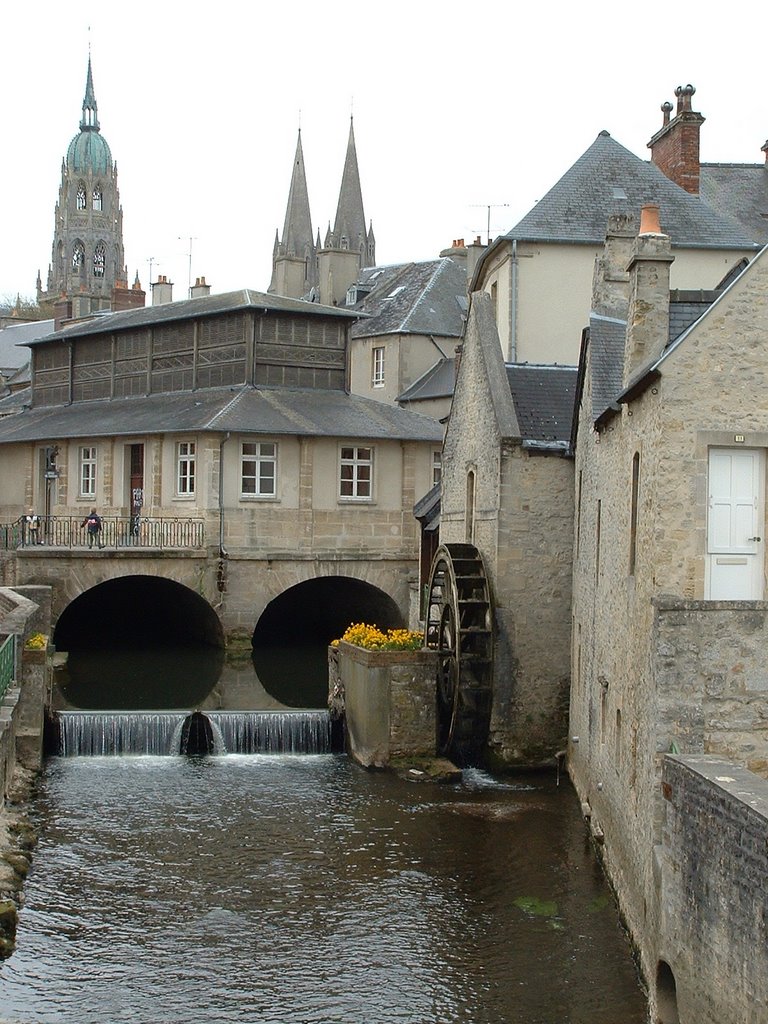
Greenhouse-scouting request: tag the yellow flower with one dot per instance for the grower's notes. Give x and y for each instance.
(373, 639)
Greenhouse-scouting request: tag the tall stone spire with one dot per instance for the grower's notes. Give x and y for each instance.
(349, 231)
(294, 260)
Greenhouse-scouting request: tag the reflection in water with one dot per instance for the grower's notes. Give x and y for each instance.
(193, 676)
(301, 890)
(296, 676)
(133, 678)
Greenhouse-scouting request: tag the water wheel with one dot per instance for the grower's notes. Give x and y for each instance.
(459, 628)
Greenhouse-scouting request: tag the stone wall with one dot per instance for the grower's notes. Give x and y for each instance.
(714, 933)
(390, 705)
(710, 661)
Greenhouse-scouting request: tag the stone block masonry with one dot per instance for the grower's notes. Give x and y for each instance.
(714, 906)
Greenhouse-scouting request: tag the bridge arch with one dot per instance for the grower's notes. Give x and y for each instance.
(109, 630)
(293, 632)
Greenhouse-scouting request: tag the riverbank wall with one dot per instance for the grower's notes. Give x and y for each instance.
(24, 613)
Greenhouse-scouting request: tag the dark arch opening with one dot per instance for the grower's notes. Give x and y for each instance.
(139, 642)
(666, 995)
(291, 638)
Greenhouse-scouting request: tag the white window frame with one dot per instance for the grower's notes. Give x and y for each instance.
(437, 466)
(186, 468)
(377, 366)
(356, 472)
(87, 471)
(263, 455)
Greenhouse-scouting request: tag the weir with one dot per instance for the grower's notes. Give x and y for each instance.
(105, 733)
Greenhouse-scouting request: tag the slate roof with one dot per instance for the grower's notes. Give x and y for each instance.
(427, 509)
(429, 297)
(274, 411)
(437, 382)
(738, 191)
(15, 402)
(607, 337)
(607, 178)
(544, 402)
(186, 309)
(11, 355)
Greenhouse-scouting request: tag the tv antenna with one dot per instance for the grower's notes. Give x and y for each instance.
(488, 207)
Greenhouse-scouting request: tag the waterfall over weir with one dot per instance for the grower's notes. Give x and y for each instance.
(98, 733)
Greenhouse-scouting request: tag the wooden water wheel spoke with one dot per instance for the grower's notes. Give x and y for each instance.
(459, 628)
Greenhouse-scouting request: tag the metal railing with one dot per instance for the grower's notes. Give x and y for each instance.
(7, 663)
(116, 532)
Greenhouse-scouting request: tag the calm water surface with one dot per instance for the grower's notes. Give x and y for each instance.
(301, 889)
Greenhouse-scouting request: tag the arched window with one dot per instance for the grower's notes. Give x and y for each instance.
(99, 259)
(97, 197)
(81, 201)
(78, 255)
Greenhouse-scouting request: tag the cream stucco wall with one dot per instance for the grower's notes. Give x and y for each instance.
(406, 358)
(540, 319)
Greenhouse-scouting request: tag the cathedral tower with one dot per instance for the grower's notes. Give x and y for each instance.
(87, 261)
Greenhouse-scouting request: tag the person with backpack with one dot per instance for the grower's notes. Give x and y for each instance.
(92, 522)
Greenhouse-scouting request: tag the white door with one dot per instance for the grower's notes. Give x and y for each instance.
(735, 525)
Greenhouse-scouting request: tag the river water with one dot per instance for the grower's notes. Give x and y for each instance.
(303, 890)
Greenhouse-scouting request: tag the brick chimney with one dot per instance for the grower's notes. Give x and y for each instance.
(128, 298)
(610, 281)
(62, 311)
(675, 147)
(648, 317)
(162, 290)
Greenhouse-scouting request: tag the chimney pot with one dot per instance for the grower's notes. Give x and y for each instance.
(649, 220)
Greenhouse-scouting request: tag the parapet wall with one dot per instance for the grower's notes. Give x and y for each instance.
(714, 933)
(711, 670)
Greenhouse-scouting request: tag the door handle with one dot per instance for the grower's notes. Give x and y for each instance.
(758, 539)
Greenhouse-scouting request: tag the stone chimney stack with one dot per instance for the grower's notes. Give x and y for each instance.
(648, 316)
(764, 149)
(610, 281)
(199, 288)
(162, 291)
(675, 147)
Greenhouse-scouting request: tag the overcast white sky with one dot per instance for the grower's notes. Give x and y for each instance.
(456, 107)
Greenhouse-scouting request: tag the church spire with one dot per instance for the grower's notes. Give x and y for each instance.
(349, 227)
(90, 119)
(297, 229)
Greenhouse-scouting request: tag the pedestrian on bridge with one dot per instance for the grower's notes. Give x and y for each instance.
(92, 522)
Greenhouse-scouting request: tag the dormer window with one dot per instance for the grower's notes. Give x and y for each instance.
(78, 256)
(99, 260)
(81, 201)
(97, 198)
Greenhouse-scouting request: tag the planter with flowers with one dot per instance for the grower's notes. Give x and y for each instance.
(385, 683)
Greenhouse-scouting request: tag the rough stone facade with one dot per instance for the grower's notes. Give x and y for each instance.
(714, 920)
(521, 522)
(656, 666)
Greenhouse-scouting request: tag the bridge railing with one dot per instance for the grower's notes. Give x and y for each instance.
(7, 663)
(116, 532)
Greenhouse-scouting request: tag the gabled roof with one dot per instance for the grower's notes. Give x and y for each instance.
(437, 382)
(427, 509)
(414, 298)
(206, 305)
(608, 177)
(738, 191)
(544, 403)
(246, 410)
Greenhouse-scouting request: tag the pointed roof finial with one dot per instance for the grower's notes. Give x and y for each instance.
(90, 119)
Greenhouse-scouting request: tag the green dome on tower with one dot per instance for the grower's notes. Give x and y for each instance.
(89, 151)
